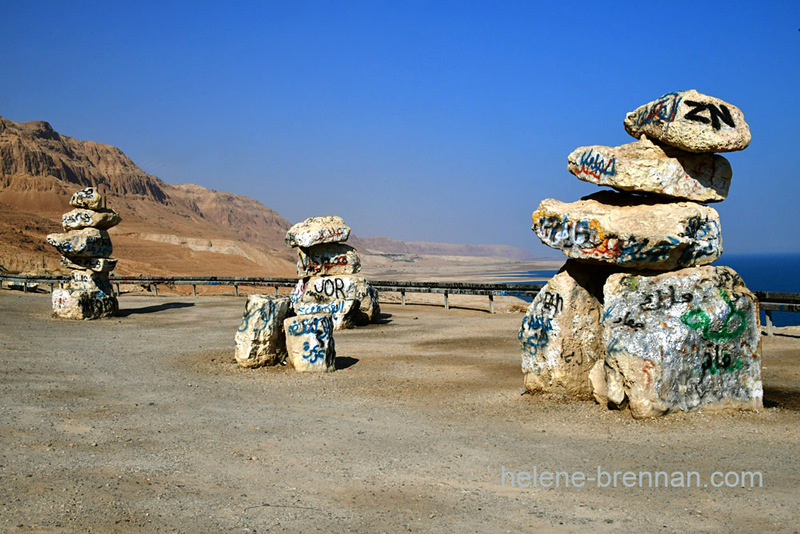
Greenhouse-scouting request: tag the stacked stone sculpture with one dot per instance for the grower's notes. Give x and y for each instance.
(328, 296)
(85, 247)
(637, 316)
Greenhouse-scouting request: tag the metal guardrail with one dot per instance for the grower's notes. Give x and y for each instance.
(769, 301)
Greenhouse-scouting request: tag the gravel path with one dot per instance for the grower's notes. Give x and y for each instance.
(144, 423)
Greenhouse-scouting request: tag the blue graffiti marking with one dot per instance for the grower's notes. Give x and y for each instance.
(662, 110)
(596, 165)
(264, 315)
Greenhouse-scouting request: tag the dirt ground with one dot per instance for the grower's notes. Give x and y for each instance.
(144, 423)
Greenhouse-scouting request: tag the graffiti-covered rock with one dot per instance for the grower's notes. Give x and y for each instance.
(98, 265)
(309, 342)
(342, 311)
(328, 259)
(89, 198)
(316, 231)
(327, 289)
(82, 304)
(682, 340)
(87, 243)
(630, 231)
(691, 121)
(102, 219)
(260, 339)
(91, 281)
(644, 166)
(561, 334)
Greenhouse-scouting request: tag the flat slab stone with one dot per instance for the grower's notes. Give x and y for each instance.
(102, 219)
(630, 231)
(98, 265)
(80, 304)
(91, 282)
(682, 340)
(646, 167)
(316, 231)
(260, 339)
(691, 121)
(328, 259)
(327, 289)
(89, 198)
(309, 341)
(87, 243)
(341, 311)
(561, 334)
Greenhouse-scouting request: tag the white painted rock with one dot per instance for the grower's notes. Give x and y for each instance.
(691, 121)
(317, 230)
(631, 231)
(91, 282)
(98, 265)
(102, 219)
(78, 304)
(260, 339)
(561, 334)
(309, 341)
(646, 167)
(88, 242)
(682, 340)
(89, 198)
(328, 259)
(327, 289)
(342, 311)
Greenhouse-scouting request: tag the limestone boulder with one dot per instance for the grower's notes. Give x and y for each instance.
(691, 121)
(86, 243)
(342, 311)
(646, 167)
(309, 341)
(80, 304)
(631, 231)
(316, 231)
(327, 289)
(561, 334)
(681, 340)
(260, 339)
(91, 282)
(98, 265)
(102, 219)
(328, 259)
(89, 198)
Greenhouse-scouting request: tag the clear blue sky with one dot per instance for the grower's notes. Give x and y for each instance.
(422, 121)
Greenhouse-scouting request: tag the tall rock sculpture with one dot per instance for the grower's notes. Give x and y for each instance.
(661, 329)
(86, 249)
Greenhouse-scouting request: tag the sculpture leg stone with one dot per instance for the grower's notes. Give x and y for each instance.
(260, 339)
(681, 340)
(309, 341)
(83, 304)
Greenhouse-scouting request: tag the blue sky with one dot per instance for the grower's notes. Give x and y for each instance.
(421, 121)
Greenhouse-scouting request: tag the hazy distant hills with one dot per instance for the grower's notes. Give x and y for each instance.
(166, 229)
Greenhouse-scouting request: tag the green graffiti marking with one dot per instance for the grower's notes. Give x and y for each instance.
(697, 319)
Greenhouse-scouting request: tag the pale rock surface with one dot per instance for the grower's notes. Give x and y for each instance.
(309, 342)
(89, 198)
(561, 335)
(260, 339)
(644, 166)
(630, 231)
(342, 311)
(98, 265)
(87, 242)
(316, 231)
(326, 289)
(102, 219)
(682, 340)
(691, 121)
(328, 259)
(79, 304)
(91, 281)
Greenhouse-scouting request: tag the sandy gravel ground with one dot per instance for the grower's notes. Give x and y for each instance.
(143, 423)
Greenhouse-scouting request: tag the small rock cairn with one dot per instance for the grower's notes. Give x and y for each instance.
(327, 297)
(637, 317)
(85, 248)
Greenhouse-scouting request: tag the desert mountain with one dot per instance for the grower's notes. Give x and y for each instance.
(167, 229)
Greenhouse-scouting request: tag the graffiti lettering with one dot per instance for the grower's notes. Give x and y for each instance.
(715, 360)
(319, 326)
(596, 166)
(662, 110)
(664, 299)
(629, 321)
(266, 317)
(538, 327)
(313, 354)
(572, 358)
(330, 287)
(552, 302)
(732, 326)
(715, 114)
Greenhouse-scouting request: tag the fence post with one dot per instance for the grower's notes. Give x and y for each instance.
(768, 313)
(155, 286)
(276, 289)
(403, 297)
(446, 302)
(194, 290)
(491, 303)
(236, 290)
(52, 287)
(118, 291)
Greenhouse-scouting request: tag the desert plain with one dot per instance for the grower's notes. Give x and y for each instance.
(143, 422)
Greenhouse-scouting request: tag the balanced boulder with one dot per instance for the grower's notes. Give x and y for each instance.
(316, 231)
